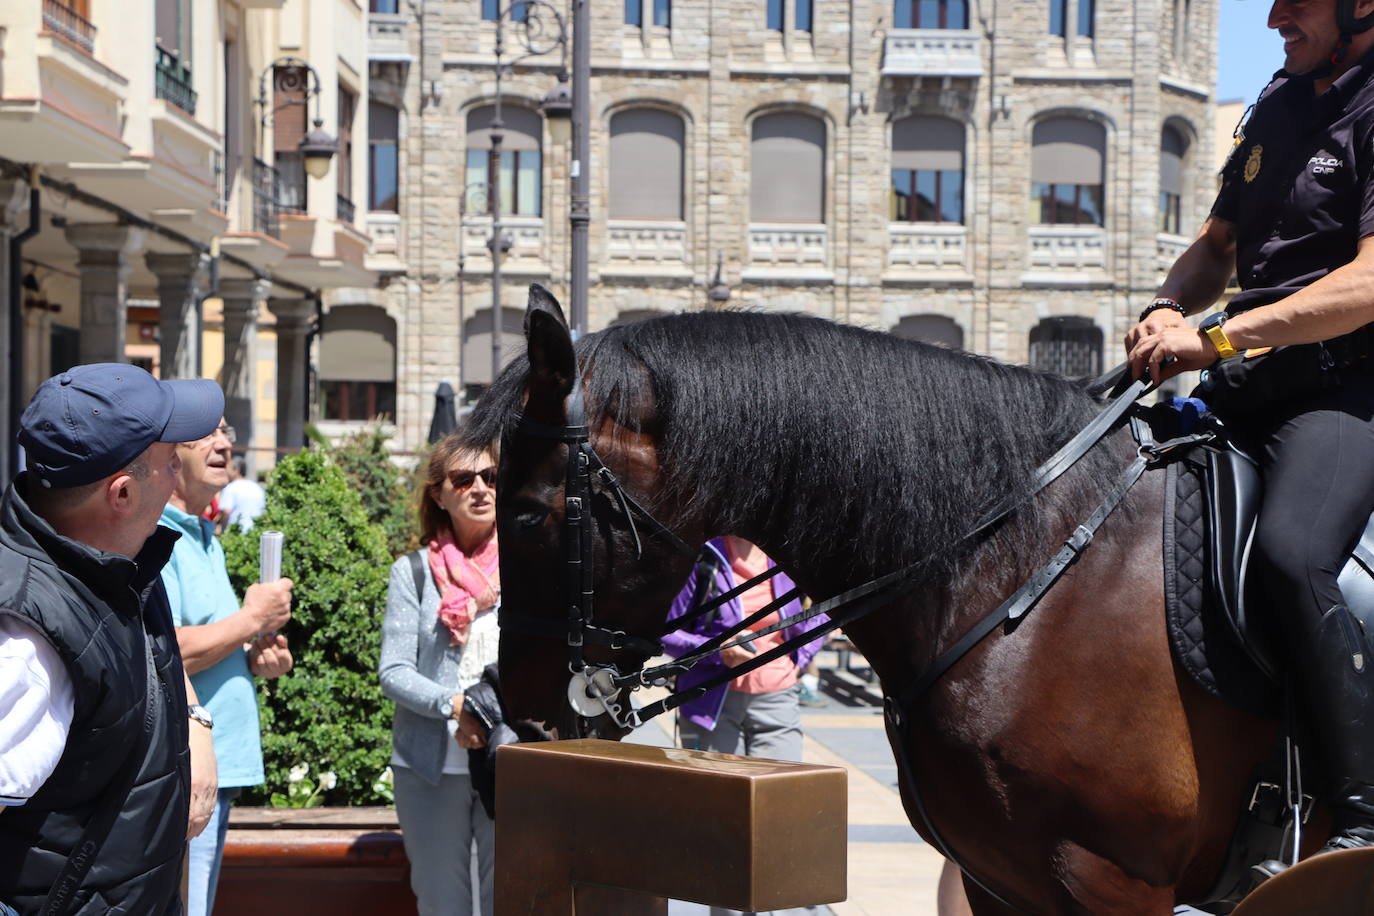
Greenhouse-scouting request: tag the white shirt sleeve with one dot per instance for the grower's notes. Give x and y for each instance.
(36, 704)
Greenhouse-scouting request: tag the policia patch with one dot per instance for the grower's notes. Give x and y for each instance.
(1252, 165)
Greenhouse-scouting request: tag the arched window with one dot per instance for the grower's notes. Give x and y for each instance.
(927, 170)
(1067, 171)
(930, 14)
(477, 346)
(1069, 346)
(521, 164)
(357, 363)
(646, 165)
(934, 329)
(1172, 148)
(787, 169)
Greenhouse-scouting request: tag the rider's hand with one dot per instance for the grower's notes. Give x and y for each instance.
(734, 656)
(1185, 349)
(1154, 323)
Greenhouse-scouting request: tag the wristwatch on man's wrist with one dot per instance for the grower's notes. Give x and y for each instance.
(1163, 302)
(200, 714)
(1211, 328)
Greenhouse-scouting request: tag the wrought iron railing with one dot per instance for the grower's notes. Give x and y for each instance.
(264, 198)
(344, 209)
(174, 82)
(60, 18)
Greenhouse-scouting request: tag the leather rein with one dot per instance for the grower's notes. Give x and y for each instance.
(596, 689)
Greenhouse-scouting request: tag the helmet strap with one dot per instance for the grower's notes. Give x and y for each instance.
(1341, 49)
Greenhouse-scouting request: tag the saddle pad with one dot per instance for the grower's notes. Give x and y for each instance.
(1204, 643)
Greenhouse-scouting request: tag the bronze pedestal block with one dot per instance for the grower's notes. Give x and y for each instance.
(716, 829)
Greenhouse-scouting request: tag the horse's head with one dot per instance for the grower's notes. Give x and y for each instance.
(633, 575)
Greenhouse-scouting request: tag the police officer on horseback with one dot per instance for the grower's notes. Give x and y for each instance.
(1294, 221)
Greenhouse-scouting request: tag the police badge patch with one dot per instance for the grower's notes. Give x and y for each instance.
(1252, 165)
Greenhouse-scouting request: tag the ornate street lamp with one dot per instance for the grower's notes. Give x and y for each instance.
(317, 147)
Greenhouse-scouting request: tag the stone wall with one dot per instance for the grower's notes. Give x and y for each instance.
(719, 67)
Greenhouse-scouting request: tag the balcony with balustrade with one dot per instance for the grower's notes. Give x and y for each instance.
(172, 81)
(526, 255)
(937, 252)
(65, 20)
(254, 231)
(387, 37)
(1066, 255)
(787, 252)
(59, 101)
(933, 52)
(646, 248)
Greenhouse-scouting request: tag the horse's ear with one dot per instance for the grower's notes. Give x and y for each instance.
(553, 365)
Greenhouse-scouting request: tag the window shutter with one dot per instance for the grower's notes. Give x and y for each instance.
(928, 143)
(358, 344)
(1067, 151)
(1172, 148)
(523, 129)
(787, 169)
(646, 165)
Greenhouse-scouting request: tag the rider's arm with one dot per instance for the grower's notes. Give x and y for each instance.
(1199, 276)
(1336, 304)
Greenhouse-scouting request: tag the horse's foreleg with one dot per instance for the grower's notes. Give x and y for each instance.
(1099, 887)
(951, 898)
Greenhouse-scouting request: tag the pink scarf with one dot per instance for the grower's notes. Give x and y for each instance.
(467, 585)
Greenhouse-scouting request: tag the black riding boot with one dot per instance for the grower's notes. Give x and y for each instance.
(1339, 677)
(1336, 681)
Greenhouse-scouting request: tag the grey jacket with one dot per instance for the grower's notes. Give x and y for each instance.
(421, 671)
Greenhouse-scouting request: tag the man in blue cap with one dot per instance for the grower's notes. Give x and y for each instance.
(94, 716)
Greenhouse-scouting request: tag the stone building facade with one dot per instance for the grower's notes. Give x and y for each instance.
(1008, 176)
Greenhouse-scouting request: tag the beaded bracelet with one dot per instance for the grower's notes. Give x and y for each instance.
(1162, 304)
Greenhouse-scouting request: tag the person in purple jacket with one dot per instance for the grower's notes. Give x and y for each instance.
(758, 713)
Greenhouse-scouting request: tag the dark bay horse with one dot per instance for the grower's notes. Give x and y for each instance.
(1070, 764)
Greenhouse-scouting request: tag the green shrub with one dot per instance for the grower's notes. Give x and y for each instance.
(328, 712)
(387, 491)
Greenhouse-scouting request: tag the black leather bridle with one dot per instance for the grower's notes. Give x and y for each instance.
(596, 689)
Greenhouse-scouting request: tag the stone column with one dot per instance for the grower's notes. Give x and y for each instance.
(179, 279)
(103, 251)
(14, 199)
(241, 298)
(293, 320)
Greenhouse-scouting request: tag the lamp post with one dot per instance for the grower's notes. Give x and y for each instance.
(541, 30)
(317, 147)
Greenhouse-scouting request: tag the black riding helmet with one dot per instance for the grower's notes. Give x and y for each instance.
(1348, 22)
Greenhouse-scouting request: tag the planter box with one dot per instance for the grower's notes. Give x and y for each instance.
(307, 861)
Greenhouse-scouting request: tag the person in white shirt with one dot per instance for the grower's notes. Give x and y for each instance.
(242, 499)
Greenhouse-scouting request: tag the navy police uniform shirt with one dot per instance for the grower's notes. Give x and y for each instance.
(1300, 187)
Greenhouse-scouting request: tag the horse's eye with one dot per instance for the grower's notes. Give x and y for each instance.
(532, 519)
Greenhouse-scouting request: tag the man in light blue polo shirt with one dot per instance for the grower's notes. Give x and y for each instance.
(223, 645)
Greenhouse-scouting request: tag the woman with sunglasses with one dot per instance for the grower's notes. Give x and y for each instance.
(438, 634)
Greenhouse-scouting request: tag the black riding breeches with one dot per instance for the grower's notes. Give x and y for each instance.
(1317, 461)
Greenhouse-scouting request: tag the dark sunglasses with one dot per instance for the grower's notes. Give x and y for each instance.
(463, 480)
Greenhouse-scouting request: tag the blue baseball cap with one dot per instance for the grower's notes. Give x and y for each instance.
(89, 422)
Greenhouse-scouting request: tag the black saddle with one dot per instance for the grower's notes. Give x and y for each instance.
(1212, 502)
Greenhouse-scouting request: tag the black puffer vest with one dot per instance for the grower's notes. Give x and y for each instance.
(95, 608)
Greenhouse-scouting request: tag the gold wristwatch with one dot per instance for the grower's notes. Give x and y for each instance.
(1212, 328)
(200, 714)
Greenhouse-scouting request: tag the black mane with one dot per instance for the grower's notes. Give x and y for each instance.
(855, 443)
